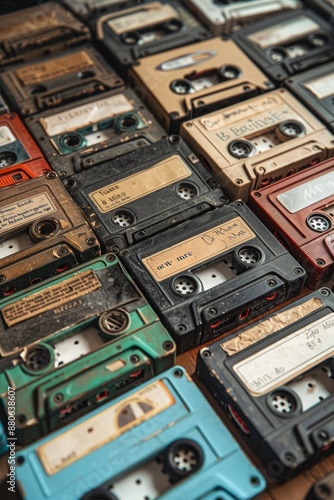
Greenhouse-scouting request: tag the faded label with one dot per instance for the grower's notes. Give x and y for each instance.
(200, 248)
(141, 184)
(58, 453)
(6, 136)
(321, 87)
(143, 17)
(25, 211)
(198, 57)
(85, 115)
(50, 298)
(287, 358)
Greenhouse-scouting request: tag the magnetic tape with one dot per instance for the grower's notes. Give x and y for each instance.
(322, 489)
(129, 199)
(162, 440)
(206, 276)
(74, 138)
(191, 81)
(300, 212)
(253, 144)
(42, 233)
(275, 379)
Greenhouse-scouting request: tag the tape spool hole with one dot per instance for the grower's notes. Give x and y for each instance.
(7, 158)
(130, 38)
(43, 229)
(38, 358)
(114, 322)
(247, 257)
(174, 26)
(318, 222)
(276, 54)
(185, 285)
(241, 149)
(181, 87)
(182, 458)
(127, 122)
(290, 129)
(123, 219)
(229, 72)
(318, 39)
(38, 89)
(72, 141)
(283, 402)
(186, 191)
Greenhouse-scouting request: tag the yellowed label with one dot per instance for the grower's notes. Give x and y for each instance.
(142, 17)
(58, 453)
(321, 87)
(200, 248)
(6, 136)
(54, 296)
(48, 70)
(37, 19)
(141, 184)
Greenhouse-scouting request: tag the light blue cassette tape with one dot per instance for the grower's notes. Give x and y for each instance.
(162, 440)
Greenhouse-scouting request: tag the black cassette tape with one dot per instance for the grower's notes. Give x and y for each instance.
(276, 380)
(42, 233)
(210, 274)
(59, 79)
(322, 489)
(288, 44)
(75, 137)
(326, 7)
(132, 198)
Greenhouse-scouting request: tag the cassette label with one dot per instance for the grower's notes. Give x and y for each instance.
(25, 211)
(6, 136)
(321, 87)
(140, 19)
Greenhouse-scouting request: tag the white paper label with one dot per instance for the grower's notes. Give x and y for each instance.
(321, 87)
(24, 211)
(6, 136)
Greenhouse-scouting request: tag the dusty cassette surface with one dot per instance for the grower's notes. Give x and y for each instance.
(42, 233)
(191, 81)
(130, 198)
(326, 7)
(59, 79)
(288, 44)
(300, 212)
(275, 379)
(162, 440)
(253, 144)
(206, 276)
(316, 89)
(34, 32)
(322, 489)
(74, 138)
(91, 317)
(225, 17)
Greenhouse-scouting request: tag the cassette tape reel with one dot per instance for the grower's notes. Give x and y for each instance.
(276, 380)
(322, 489)
(206, 277)
(129, 199)
(288, 44)
(253, 144)
(42, 233)
(183, 450)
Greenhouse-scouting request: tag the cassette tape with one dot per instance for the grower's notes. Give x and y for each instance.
(37, 31)
(256, 143)
(59, 79)
(275, 379)
(325, 7)
(191, 81)
(162, 440)
(74, 138)
(288, 44)
(322, 489)
(300, 212)
(89, 10)
(131, 198)
(225, 17)
(42, 233)
(148, 28)
(208, 275)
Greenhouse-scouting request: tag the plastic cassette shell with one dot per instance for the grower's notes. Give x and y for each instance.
(127, 199)
(58, 79)
(297, 138)
(202, 276)
(325, 7)
(33, 32)
(300, 212)
(116, 122)
(287, 442)
(91, 9)
(225, 19)
(322, 488)
(233, 76)
(264, 43)
(176, 414)
(41, 210)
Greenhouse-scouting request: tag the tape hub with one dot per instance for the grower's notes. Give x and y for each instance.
(277, 54)
(181, 87)
(127, 122)
(186, 191)
(291, 129)
(185, 285)
(43, 229)
(319, 223)
(241, 149)
(123, 219)
(113, 322)
(72, 141)
(7, 158)
(37, 358)
(283, 402)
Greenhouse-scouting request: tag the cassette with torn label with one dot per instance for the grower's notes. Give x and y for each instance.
(70, 135)
(57, 80)
(130, 198)
(191, 81)
(42, 233)
(288, 44)
(253, 144)
(208, 275)
(276, 380)
(161, 440)
(322, 488)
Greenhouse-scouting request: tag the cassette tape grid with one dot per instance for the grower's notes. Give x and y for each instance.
(129, 199)
(42, 233)
(170, 426)
(275, 378)
(53, 81)
(253, 144)
(208, 277)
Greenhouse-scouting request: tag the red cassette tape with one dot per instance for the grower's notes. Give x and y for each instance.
(299, 210)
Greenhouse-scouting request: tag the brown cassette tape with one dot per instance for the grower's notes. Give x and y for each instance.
(252, 144)
(42, 233)
(191, 81)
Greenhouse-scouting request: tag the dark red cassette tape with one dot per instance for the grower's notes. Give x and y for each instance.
(299, 210)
